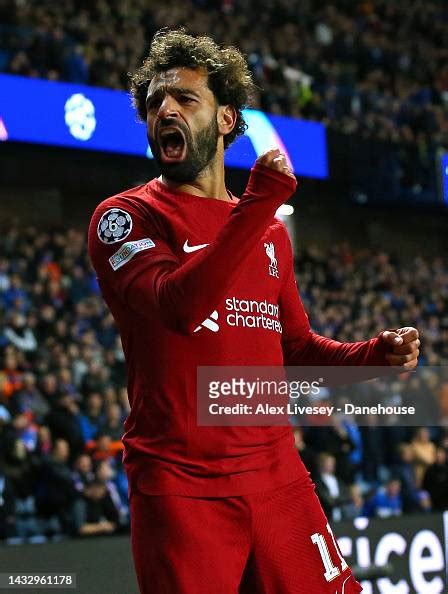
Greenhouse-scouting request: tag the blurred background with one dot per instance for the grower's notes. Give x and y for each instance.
(356, 93)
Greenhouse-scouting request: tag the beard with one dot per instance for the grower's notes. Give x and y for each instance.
(200, 151)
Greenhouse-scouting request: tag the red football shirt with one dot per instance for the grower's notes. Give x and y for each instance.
(177, 271)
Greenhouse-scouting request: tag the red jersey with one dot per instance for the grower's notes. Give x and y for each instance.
(181, 275)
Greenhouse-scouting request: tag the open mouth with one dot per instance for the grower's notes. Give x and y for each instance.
(172, 144)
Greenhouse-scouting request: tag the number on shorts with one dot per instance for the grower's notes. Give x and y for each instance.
(331, 571)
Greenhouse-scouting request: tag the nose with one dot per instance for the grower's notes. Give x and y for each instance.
(168, 108)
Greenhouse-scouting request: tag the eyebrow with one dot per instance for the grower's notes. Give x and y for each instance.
(172, 90)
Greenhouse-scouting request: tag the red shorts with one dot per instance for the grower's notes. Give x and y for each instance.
(274, 542)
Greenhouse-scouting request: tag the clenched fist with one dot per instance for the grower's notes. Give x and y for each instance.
(404, 347)
(276, 160)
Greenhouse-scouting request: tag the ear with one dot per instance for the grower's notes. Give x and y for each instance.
(226, 119)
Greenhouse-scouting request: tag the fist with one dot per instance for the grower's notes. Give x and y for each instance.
(276, 160)
(404, 346)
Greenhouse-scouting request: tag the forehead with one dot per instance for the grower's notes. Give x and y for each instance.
(185, 78)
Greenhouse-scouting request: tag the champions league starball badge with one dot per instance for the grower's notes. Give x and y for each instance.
(115, 225)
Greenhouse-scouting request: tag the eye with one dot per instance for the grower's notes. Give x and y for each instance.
(152, 104)
(185, 99)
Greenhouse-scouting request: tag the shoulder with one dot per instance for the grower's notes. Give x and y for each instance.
(126, 227)
(132, 199)
(116, 216)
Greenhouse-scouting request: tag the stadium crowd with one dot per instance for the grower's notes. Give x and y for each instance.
(63, 397)
(374, 68)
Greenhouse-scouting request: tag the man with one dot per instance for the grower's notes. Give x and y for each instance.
(333, 492)
(213, 509)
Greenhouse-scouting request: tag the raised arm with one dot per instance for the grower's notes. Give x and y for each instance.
(301, 346)
(153, 277)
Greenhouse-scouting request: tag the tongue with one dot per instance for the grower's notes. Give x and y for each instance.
(173, 150)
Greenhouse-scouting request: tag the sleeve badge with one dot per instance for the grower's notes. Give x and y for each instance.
(115, 225)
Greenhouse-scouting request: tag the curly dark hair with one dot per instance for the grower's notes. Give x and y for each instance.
(229, 77)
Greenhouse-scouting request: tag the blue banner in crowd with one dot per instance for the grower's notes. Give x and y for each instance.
(89, 118)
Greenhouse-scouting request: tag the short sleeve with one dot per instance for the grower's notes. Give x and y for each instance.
(123, 241)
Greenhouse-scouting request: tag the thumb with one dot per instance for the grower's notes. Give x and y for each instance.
(391, 337)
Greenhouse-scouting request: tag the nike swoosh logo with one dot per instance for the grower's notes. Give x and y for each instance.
(193, 248)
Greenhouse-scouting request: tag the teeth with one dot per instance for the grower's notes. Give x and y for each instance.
(173, 152)
(172, 142)
(165, 133)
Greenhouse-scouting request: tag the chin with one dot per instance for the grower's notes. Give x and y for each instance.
(179, 171)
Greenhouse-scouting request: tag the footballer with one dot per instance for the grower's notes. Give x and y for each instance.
(214, 510)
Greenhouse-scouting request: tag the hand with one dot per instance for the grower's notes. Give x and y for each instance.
(276, 160)
(106, 526)
(404, 344)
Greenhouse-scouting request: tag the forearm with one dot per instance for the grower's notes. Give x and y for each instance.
(96, 528)
(319, 350)
(365, 358)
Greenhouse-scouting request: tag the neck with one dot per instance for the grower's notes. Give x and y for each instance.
(210, 183)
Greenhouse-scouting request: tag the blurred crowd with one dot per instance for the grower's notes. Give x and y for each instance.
(375, 68)
(373, 466)
(63, 395)
(406, 468)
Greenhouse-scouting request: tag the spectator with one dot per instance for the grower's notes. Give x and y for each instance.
(66, 384)
(95, 380)
(93, 418)
(373, 449)
(95, 512)
(405, 471)
(18, 466)
(113, 425)
(108, 476)
(63, 422)
(354, 461)
(423, 453)
(354, 508)
(44, 443)
(12, 373)
(104, 448)
(435, 481)
(56, 493)
(19, 334)
(307, 455)
(333, 493)
(29, 399)
(26, 430)
(50, 388)
(17, 482)
(335, 440)
(15, 297)
(386, 502)
(7, 508)
(82, 472)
